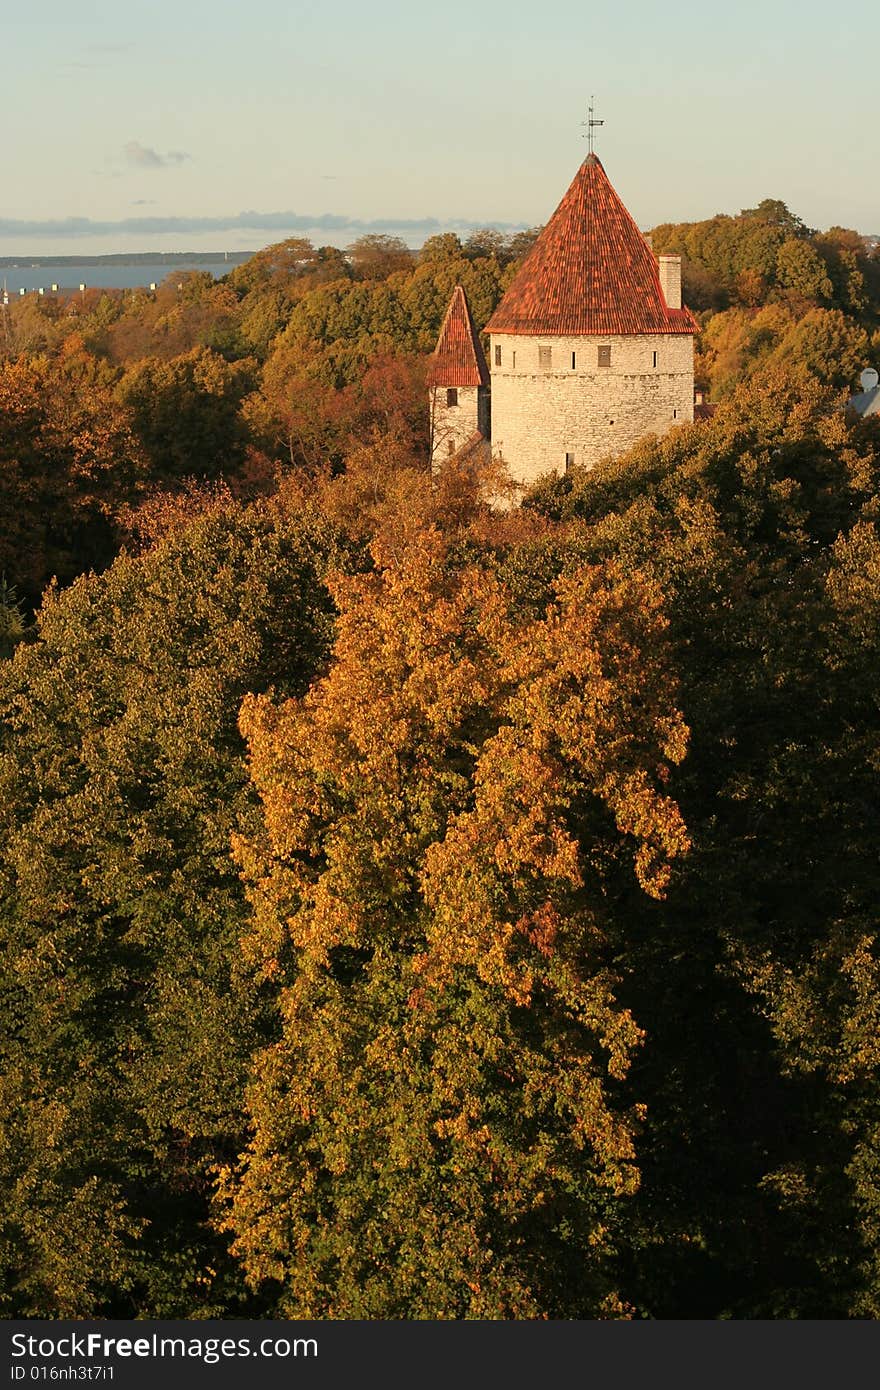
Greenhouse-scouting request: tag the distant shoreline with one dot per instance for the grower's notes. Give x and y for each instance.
(24, 262)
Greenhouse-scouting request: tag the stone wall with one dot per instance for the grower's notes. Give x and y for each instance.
(543, 411)
(453, 425)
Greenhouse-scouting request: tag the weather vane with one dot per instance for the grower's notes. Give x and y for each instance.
(590, 123)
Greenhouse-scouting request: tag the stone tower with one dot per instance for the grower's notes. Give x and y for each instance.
(590, 348)
(458, 383)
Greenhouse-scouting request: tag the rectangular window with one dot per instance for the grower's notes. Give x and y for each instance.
(605, 357)
(655, 359)
(545, 358)
(675, 414)
(569, 462)
(497, 357)
(452, 395)
(573, 361)
(513, 357)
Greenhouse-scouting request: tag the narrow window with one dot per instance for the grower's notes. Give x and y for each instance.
(573, 361)
(655, 359)
(498, 357)
(569, 462)
(675, 414)
(513, 355)
(545, 358)
(605, 357)
(452, 395)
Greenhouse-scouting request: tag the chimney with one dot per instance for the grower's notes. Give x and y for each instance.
(670, 280)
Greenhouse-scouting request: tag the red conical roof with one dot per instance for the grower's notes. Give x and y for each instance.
(589, 272)
(458, 358)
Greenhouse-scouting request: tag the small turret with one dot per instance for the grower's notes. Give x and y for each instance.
(458, 383)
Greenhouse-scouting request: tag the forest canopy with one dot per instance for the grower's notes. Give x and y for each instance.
(413, 907)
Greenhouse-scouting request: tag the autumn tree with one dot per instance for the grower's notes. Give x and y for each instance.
(12, 620)
(68, 457)
(287, 266)
(375, 256)
(438, 1129)
(738, 344)
(296, 415)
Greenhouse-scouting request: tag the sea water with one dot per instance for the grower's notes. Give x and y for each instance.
(118, 277)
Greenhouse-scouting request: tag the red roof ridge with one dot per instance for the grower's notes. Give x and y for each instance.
(458, 359)
(590, 272)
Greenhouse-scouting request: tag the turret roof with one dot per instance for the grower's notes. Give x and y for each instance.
(589, 272)
(458, 358)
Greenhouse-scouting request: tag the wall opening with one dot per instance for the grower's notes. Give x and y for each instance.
(452, 395)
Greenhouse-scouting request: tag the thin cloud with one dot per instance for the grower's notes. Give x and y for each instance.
(281, 222)
(144, 157)
(94, 56)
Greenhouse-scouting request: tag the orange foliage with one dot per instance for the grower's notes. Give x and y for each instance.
(445, 807)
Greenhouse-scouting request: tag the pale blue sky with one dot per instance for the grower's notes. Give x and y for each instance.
(457, 110)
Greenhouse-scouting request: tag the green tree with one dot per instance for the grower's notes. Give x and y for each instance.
(127, 1020)
(756, 981)
(186, 413)
(775, 213)
(831, 346)
(445, 246)
(800, 268)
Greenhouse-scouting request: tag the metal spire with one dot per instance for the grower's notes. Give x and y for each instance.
(590, 124)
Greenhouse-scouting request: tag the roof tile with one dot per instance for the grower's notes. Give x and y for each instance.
(458, 358)
(589, 272)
